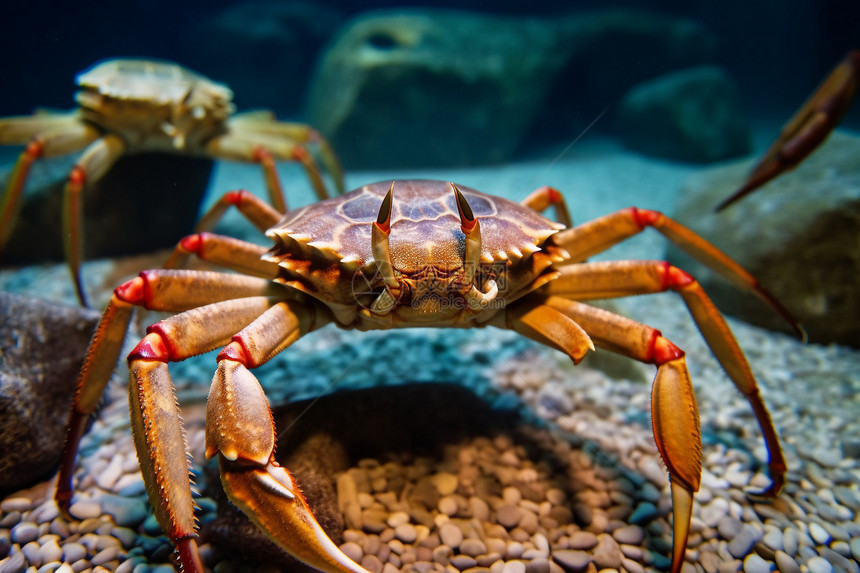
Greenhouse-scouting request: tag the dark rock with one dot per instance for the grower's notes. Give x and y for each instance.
(432, 87)
(42, 348)
(283, 37)
(143, 203)
(438, 88)
(797, 236)
(689, 115)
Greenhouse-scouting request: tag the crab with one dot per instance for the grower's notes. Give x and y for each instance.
(808, 127)
(390, 255)
(129, 106)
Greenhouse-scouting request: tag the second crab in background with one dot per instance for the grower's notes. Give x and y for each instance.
(129, 106)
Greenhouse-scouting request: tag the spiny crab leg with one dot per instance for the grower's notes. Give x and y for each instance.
(545, 197)
(601, 233)
(602, 280)
(674, 414)
(240, 429)
(169, 290)
(808, 127)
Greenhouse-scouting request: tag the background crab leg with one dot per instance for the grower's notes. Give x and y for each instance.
(240, 429)
(44, 136)
(93, 164)
(601, 280)
(674, 414)
(545, 197)
(258, 212)
(600, 234)
(166, 290)
(808, 127)
(264, 122)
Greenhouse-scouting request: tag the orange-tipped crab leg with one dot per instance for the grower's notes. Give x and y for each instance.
(264, 123)
(808, 127)
(674, 414)
(240, 430)
(47, 136)
(93, 164)
(601, 280)
(155, 290)
(600, 234)
(545, 197)
(156, 421)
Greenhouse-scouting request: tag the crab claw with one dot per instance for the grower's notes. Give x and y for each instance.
(808, 128)
(240, 430)
(270, 497)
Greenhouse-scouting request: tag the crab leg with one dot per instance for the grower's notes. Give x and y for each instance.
(167, 290)
(263, 150)
(225, 252)
(60, 135)
(808, 127)
(545, 197)
(156, 421)
(611, 279)
(239, 427)
(258, 212)
(674, 414)
(95, 162)
(600, 234)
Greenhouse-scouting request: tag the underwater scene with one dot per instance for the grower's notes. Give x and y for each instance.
(453, 287)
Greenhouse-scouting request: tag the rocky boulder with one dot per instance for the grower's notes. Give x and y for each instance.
(799, 235)
(690, 115)
(420, 88)
(42, 348)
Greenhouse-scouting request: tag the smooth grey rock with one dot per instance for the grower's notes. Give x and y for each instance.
(691, 115)
(799, 236)
(42, 347)
(144, 202)
(424, 87)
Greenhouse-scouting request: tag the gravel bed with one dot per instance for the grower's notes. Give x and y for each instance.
(491, 504)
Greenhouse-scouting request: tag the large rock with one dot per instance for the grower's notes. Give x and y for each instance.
(413, 88)
(41, 350)
(799, 235)
(144, 203)
(690, 115)
(432, 87)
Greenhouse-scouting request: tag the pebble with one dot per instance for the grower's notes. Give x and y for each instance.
(450, 535)
(819, 534)
(631, 535)
(755, 564)
(473, 547)
(785, 563)
(24, 533)
(582, 540)
(743, 542)
(818, 564)
(571, 560)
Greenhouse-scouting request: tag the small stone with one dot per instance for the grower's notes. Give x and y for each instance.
(631, 535)
(50, 551)
(509, 515)
(789, 540)
(571, 560)
(24, 533)
(353, 551)
(11, 504)
(786, 564)
(742, 543)
(126, 511)
(448, 505)
(14, 563)
(86, 509)
(514, 567)
(446, 483)
(755, 564)
(406, 533)
(607, 553)
(450, 535)
(819, 565)
(855, 547)
(582, 540)
(644, 512)
(819, 534)
(73, 551)
(472, 547)
(462, 562)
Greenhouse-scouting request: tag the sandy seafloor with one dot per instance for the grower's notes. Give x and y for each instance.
(616, 509)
